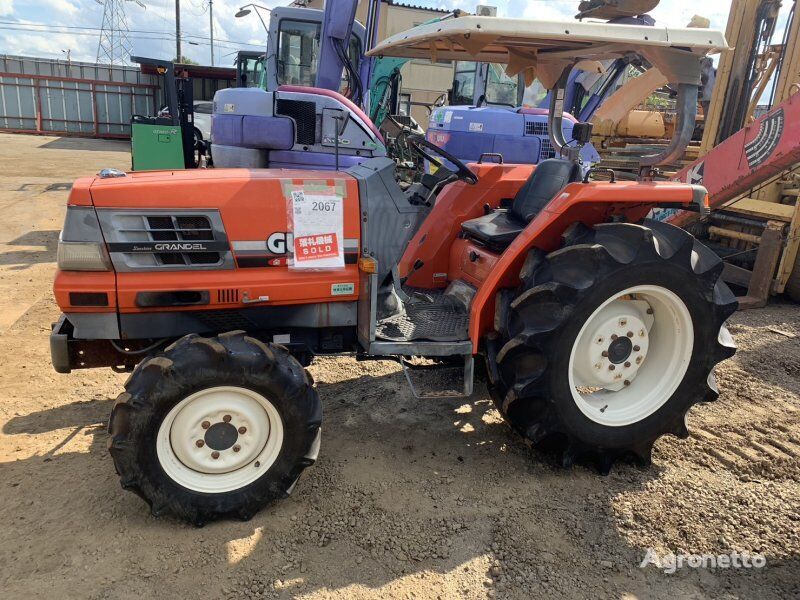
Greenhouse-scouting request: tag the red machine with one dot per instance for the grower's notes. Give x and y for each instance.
(767, 147)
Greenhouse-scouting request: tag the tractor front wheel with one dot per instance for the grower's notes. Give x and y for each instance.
(610, 340)
(215, 427)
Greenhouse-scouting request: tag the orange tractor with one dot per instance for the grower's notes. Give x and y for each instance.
(598, 327)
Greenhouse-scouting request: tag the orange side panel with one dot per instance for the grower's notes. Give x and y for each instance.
(457, 203)
(280, 284)
(589, 203)
(84, 281)
(470, 262)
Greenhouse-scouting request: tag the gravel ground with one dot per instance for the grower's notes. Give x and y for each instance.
(410, 498)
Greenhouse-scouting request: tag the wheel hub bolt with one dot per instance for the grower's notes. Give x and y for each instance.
(205, 425)
(623, 322)
(242, 430)
(604, 353)
(630, 334)
(236, 448)
(199, 443)
(227, 418)
(611, 367)
(649, 311)
(215, 455)
(614, 336)
(627, 382)
(627, 364)
(638, 360)
(636, 348)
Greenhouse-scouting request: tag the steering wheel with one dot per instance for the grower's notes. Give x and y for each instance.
(462, 172)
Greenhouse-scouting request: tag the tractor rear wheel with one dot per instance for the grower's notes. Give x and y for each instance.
(215, 427)
(610, 340)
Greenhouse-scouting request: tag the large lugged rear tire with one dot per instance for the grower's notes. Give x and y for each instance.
(610, 340)
(215, 427)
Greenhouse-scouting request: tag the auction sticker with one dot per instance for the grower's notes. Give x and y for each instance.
(318, 222)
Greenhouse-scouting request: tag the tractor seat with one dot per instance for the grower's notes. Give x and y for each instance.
(499, 228)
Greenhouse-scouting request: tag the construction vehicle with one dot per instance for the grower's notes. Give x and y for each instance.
(503, 110)
(250, 68)
(749, 164)
(599, 329)
(167, 139)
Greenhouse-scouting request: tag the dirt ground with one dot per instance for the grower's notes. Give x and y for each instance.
(410, 499)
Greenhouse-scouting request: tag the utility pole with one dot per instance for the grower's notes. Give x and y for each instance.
(178, 30)
(211, 27)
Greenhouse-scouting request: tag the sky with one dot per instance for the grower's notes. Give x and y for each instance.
(74, 24)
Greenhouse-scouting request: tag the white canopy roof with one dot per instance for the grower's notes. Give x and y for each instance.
(544, 48)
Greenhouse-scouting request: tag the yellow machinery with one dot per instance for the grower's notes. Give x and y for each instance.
(769, 210)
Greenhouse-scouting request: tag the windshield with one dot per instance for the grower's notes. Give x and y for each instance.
(500, 88)
(298, 51)
(463, 83)
(250, 71)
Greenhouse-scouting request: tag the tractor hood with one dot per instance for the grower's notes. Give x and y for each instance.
(543, 49)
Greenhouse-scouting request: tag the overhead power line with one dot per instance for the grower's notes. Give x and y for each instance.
(74, 29)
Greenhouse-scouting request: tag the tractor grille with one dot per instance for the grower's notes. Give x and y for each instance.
(190, 228)
(546, 151)
(304, 114)
(161, 240)
(535, 128)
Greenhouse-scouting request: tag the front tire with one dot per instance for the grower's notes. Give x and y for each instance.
(215, 427)
(610, 340)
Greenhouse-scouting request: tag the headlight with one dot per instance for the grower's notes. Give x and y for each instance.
(83, 256)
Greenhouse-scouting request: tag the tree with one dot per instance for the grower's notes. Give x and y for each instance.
(185, 60)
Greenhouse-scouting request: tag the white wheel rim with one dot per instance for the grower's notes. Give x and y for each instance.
(617, 381)
(219, 439)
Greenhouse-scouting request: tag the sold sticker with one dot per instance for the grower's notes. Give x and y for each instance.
(318, 224)
(311, 247)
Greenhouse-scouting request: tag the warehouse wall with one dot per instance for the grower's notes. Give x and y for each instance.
(40, 95)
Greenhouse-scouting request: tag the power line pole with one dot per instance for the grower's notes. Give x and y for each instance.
(211, 27)
(114, 46)
(178, 30)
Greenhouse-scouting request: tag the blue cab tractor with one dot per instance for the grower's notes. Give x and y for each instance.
(493, 114)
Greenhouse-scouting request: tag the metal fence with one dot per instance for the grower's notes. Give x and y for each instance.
(72, 98)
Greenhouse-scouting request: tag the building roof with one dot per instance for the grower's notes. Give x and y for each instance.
(416, 6)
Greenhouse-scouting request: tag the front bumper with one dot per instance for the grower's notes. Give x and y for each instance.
(68, 353)
(59, 347)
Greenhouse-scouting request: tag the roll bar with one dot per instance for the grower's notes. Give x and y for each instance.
(686, 108)
(555, 118)
(684, 127)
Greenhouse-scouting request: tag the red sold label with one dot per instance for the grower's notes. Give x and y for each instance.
(313, 247)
